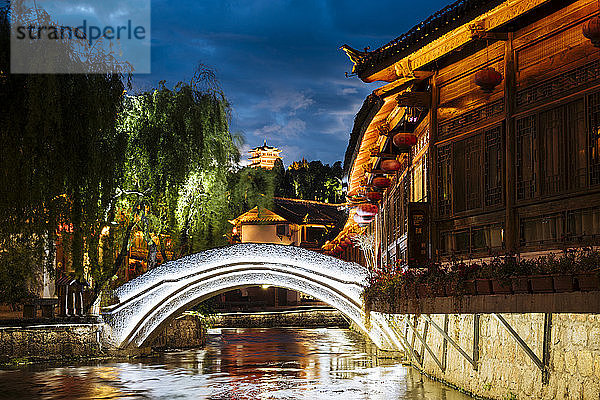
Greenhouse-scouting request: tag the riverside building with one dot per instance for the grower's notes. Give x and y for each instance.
(494, 108)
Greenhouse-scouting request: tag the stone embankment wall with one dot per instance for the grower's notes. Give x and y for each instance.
(185, 332)
(75, 341)
(504, 370)
(300, 319)
(48, 342)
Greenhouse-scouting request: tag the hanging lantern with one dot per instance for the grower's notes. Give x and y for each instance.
(487, 79)
(404, 140)
(367, 210)
(591, 30)
(390, 165)
(381, 182)
(348, 242)
(374, 196)
(359, 219)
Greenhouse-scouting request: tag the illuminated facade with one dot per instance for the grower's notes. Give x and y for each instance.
(264, 156)
(502, 99)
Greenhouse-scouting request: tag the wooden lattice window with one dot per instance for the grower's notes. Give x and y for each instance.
(467, 174)
(594, 135)
(493, 165)
(444, 180)
(476, 239)
(551, 127)
(541, 230)
(576, 145)
(526, 157)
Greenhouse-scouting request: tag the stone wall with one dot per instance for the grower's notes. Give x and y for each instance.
(71, 341)
(504, 370)
(47, 342)
(184, 332)
(300, 319)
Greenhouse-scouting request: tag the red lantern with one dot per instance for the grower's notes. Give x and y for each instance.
(361, 220)
(367, 210)
(343, 243)
(390, 165)
(591, 30)
(374, 196)
(381, 182)
(404, 139)
(487, 79)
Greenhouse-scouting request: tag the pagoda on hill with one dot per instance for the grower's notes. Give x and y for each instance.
(264, 156)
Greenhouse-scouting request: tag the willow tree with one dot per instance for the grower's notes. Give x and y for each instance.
(177, 161)
(60, 163)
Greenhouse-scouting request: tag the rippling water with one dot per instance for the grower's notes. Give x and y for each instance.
(239, 364)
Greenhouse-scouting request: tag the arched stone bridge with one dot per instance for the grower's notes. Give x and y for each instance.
(149, 302)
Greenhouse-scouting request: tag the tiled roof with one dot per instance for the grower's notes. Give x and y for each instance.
(370, 107)
(295, 211)
(264, 147)
(435, 26)
(259, 215)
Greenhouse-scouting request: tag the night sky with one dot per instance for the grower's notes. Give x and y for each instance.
(279, 62)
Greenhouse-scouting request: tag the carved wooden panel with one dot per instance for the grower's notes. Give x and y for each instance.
(460, 36)
(478, 115)
(559, 86)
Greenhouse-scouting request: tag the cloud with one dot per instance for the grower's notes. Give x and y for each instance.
(289, 101)
(349, 91)
(291, 128)
(244, 150)
(279, 63)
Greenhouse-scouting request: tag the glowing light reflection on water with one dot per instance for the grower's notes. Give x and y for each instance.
(239, 364)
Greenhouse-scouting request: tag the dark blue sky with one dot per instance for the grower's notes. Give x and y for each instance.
(279, 62)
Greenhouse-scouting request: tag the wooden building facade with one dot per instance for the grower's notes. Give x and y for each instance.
(507, 163)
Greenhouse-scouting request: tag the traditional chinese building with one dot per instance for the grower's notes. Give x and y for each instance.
(264, 156)
(290, 222)
(484, 136)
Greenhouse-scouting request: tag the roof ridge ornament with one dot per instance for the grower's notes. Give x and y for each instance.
(354, 55)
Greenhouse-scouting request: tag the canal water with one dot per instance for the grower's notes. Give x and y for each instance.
(274, 363)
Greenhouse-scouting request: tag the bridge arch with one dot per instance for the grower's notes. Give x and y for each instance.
(150, 301)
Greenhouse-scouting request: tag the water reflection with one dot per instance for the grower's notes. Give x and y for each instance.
(239, 364)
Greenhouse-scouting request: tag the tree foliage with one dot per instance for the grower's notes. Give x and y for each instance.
(59, 161)
(313, 181)
(179, 155)
(82, 161)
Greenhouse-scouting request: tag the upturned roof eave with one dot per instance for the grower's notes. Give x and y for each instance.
(433, 39)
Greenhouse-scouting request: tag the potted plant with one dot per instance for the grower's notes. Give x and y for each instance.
(501, 270)
(541, 281)
(518, 270)
(562, 270)
(587, 270)
(463, 276)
